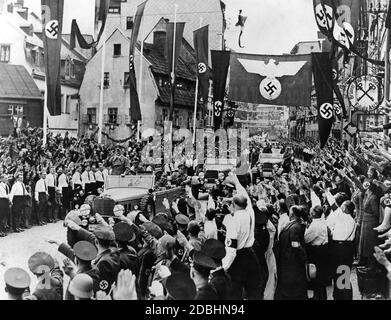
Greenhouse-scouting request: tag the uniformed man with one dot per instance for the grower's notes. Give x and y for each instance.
(218, 279)
(76, 180)
(124, 235)
(119, 163)
(41, 197)
(240, 261)
(4, 203)
(108, 260)
(64, 186)
(82, 255)
(180, 286)
(99, 177)
(200, 271)
(88, 181)
(50, 277)
(51, 184)
(18, 198)
(17, 283)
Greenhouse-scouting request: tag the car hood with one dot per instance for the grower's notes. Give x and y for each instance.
(126, 194)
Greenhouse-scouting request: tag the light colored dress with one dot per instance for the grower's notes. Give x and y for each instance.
(271, 284)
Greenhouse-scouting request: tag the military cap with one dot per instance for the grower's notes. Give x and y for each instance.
(153, 229)
(180, 287)
(81, 286)
(214, 249)
(201, 259)
(104, 233)
(17, 278)
(182, 220)
(230, 183)
(40, 259)
(167, 242)
(124, 232)
(85, 251)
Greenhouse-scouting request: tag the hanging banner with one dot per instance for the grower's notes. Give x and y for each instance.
(220, 66)
(172, 57)
(52, 15)
(201, 46)
(76, 34)
(323, 79)
(134, 110)
(324, 16)
(101, 11)
(274, 80)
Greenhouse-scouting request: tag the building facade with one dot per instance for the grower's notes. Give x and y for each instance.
(154, 87)
(21, 44)
(152, 81)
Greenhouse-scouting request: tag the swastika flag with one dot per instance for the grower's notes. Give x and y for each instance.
(273, 80)
(323, 78)
(52, 14)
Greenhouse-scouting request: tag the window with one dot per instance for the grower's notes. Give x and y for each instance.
(72, 69)
(129, 23)
(14, 110)
(35, 56)
(67, 67)
(113, 115)
(5, 51)
(106, 81)
(115, 10)
(117, 50)
(91, 115)
(126, 79)
(68, 105)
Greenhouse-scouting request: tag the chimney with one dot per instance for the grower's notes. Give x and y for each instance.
(159, 41)
(20, 3)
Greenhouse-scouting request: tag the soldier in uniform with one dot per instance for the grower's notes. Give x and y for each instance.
(4, 203)
(44, 267)
(17, 282)
(200, 271)
(124, 235)
(108, 260)
(218, 279)
(82, 255)
(119, 163)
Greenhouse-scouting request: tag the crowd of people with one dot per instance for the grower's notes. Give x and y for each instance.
(294, 235)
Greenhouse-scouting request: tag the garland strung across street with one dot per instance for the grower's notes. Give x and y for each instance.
(118, 140)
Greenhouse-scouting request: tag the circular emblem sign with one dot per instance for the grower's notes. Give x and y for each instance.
(201, 68)
(326, 111)
(365, 93)
(270, 88)
(51, 29)
(218, 107)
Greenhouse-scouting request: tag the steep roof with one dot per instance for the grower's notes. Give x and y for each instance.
(16, 82)
(159, 63)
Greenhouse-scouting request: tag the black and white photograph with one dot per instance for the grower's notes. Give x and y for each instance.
(208, 152)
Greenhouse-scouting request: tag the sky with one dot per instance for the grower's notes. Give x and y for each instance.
(272, 27)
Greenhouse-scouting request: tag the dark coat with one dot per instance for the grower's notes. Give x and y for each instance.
(292, 278)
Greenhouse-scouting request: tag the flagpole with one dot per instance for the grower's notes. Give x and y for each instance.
(196, 101)
(45, 114)
(173, 66)
(140, 86)
(102, 79)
